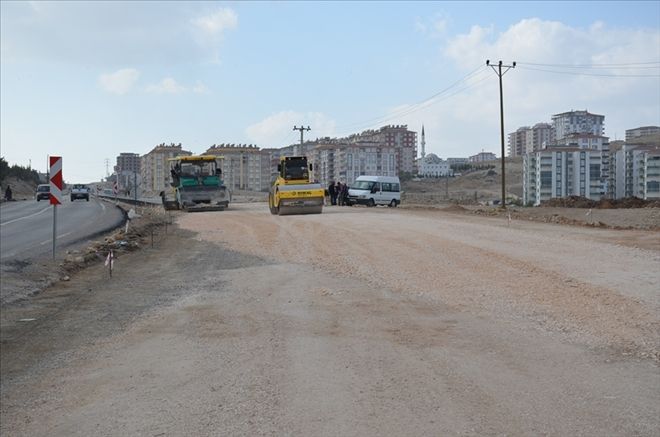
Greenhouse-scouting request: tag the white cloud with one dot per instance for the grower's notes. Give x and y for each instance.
(166, 86)
(216, 23)
(469, 121)
(209, 30)
(434, 27)
(119, 82)
(277, 130)
(200, 88)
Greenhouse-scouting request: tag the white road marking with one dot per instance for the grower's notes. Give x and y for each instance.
(26, 217)
(58, 237)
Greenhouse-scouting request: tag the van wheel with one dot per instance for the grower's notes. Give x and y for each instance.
(371, 203)
(393, 204)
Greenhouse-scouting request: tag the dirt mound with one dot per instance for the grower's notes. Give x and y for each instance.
(454, 208)
(583, 202)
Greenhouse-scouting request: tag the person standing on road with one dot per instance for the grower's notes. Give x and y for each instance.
(8, 193)
(333, 193)
(338, 193)
(344, 195)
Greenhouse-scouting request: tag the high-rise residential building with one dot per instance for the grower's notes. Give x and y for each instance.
(635, 172)
(155, 169)
(127, 171)
(582, 122)
(530, 139)
(560, 172)
(538, 137)
(518, 141)
(244, 167)
(388, 151)
(128, 162)
(644, 131)
(344, 162)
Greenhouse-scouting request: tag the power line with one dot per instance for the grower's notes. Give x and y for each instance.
(619, 65)
(456, 88)
(396, 114)
(580, 73)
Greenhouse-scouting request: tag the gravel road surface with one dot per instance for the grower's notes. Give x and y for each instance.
(358, 321)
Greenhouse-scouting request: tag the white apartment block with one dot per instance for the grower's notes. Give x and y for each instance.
(244, 167)
(388, 151)
(482, 157)
(635, 172)
(633, 134)
(590, 142)
(345, 162)
(457, 161)
(432, 166)
(561, 172)
(155, 169)
(577, 122)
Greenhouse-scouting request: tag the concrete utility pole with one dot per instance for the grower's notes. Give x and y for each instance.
(301, 129)
(501, 73)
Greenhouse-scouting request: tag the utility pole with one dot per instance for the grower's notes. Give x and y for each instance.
(301, 129)
(501, 73)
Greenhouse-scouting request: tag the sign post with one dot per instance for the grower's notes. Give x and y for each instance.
(55, 191)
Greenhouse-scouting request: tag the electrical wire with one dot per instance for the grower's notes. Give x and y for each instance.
(613, 66)
(380, 119)
(463, 84)
(580, 73)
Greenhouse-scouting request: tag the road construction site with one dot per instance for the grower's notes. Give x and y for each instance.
(356, 321)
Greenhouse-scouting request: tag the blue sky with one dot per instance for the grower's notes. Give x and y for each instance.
(90, 80)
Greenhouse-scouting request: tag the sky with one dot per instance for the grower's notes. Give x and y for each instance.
(89, 80)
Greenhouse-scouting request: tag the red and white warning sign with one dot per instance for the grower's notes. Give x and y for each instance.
(55, 180)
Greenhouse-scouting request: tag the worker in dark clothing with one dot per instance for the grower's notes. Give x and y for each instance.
(333, 193)
(8, 193)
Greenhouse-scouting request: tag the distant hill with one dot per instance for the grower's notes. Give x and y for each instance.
(486, 184)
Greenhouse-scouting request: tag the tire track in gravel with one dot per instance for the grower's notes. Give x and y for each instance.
(421, 255)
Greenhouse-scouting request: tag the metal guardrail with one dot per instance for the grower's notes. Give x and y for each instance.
(144, 201)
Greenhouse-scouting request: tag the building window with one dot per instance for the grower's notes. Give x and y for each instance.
(653, 187)
(546, 179)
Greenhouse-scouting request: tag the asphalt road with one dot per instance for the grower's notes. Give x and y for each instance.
(26, 227)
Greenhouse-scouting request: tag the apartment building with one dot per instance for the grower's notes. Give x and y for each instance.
(560, 172)
(457, 161)
(388, 151)
(244, 167)
(518, 141)
(482, 157)
(590, 141)
(644, 131)
(127, 170)
(635, 172)
(340, 161)
(155, 169)
(582, 122)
